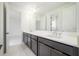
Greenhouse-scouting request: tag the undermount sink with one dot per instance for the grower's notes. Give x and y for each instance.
(49, 34)
(54, 35)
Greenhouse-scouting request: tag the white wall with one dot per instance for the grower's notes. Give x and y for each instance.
(77, 17)
(69, 18)
(28, 21)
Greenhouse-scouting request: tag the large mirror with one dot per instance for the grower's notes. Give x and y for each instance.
(62, 19)
(47, 23)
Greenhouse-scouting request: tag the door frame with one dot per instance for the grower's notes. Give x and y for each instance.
(4, 28)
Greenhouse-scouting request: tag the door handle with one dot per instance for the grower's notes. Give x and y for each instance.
(7, 33)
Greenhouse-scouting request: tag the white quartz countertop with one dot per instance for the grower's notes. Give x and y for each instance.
(66, 37)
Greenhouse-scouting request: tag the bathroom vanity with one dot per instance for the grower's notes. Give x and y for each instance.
(43, 45)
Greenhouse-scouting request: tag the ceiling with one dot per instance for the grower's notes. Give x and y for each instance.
(41, 7)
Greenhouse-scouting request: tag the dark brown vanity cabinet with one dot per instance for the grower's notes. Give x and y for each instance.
(46, 47)
(34, 44)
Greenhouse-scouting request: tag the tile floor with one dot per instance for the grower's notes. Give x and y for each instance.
(19, 50)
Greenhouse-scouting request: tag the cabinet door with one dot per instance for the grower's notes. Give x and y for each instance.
(43, 50)
(34, 46)
(56, 53)
(29, 42)
(25, 38)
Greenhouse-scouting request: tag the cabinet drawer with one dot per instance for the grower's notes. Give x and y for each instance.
(61, 47)
(29, 42)
(25, 37)
(29, 35)
(34, 46)
(34, 37)
(26, 34)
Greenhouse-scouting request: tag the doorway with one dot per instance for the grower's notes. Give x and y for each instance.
(12, 27)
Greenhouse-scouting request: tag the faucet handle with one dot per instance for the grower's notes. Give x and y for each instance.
(59, 34)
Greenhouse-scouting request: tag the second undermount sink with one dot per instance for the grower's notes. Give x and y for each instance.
(54, 35)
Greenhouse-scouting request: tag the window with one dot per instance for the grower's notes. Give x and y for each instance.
(53, 23)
